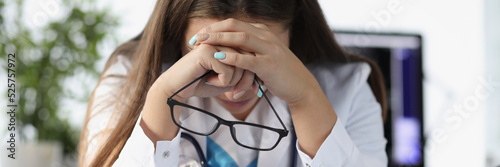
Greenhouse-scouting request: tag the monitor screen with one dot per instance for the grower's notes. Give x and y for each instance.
(399, 57)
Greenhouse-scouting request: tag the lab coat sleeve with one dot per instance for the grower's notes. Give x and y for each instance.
(140, 151)
(359, 142)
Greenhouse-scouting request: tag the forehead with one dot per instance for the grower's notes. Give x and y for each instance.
(196, 24)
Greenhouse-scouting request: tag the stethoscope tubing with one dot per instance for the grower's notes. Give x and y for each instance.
(203, 160)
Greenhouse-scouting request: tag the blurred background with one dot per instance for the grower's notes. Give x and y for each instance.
(61, 47)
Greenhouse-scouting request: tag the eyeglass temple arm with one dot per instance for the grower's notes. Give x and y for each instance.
(269, 102)
(192, 82)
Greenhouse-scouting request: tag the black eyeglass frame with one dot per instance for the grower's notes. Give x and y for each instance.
(282, 132)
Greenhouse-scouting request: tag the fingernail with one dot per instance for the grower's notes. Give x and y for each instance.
(202, 37)
(238, 95)
(206, 82)
(260, 92)
(193, 39)
(219, 55)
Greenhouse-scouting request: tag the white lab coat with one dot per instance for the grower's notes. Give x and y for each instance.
(356, 139)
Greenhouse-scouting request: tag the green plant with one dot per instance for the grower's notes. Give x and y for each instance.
(49, 54)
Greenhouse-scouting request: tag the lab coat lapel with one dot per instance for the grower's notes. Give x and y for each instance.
(281, 154)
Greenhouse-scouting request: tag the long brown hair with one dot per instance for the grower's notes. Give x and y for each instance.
(311, 40)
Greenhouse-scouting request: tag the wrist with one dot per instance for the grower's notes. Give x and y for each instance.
(308, 97)
(313, 118)
(156, 118)
(164, 89)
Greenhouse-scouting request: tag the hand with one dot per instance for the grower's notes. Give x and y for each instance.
(280, 70)
(282, 73)
(156, 119)
(196, 63)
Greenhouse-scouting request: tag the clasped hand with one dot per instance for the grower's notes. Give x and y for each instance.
(238, 51)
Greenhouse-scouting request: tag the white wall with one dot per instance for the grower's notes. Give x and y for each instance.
(454, 61)
(492, 38)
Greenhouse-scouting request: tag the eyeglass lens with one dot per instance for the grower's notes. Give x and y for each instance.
(196, 120)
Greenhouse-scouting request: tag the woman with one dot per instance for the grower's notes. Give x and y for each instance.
(282, 49)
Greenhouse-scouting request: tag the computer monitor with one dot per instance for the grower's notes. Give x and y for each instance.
(399, 57)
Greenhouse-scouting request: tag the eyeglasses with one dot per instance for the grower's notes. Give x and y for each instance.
(245, 134)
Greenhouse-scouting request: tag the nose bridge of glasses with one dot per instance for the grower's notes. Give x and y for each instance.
(227, 123)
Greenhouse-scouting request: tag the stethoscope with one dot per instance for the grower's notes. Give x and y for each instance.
(203, 160)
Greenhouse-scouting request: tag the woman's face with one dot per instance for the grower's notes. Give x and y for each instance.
(241, 107)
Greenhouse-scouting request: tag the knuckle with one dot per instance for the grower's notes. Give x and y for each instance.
(218, 36)
(232, 59)
(242, 37)
(202, 46)
(251, 63)
(206, 48)
(206, 29)
(261, 26)
(231, 22)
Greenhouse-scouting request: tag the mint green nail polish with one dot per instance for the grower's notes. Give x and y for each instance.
(219, 55)
(193, 40)
(207, 83)
(260, 92)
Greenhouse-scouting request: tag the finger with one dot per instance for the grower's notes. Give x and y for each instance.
(244, 85)
(238, 72)
(258, 91)
(224, 72)
(210, 90)
(246, 81)
(242, 40)
(221, 79)
(245, 61)
(231, 25)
